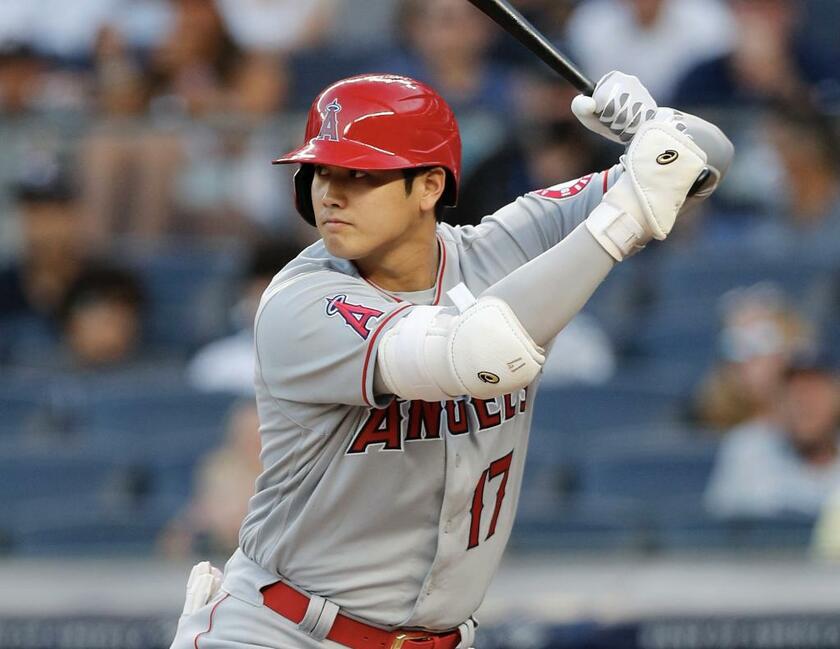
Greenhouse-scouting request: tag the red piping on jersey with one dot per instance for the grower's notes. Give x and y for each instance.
(438, 279)
(210, 626)
(606, 177)
(370, 347)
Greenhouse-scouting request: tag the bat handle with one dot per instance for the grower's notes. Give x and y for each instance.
(701, 180)
(583, 84)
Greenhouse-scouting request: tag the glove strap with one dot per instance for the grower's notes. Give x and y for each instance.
(617, 232)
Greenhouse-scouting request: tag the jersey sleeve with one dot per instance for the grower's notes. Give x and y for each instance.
(537, 221)
(316, 336)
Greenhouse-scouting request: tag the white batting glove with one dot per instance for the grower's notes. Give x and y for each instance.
(617, 108)
(660, 167)
(203, 584)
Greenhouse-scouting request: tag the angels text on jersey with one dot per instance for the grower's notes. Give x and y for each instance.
(403, 422)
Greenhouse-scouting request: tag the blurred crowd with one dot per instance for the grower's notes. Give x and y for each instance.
(140, 217)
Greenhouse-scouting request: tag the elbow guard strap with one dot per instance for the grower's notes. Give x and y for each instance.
(433, 354)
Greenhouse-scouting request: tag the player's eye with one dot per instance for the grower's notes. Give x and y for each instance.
(320, 170)
(357, 173)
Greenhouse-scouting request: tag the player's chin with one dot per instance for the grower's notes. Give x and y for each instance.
(339, 246)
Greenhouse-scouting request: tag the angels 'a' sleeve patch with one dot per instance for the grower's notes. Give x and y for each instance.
(356, 316)
(566, 189)
(316, 339)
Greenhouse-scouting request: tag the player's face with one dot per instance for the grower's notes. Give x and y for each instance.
(363, 213)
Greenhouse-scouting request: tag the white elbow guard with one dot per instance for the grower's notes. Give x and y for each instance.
(434, 355)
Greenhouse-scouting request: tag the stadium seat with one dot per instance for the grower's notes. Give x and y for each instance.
(690, 528)
(574, 409)
(20, 413)
(188, 289)
(156, 411)
(596, 524)
(683, 332)
(51, 473)
(709, 273)
(653, 477)
(93, 532)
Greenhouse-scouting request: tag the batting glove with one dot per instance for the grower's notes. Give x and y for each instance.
(660, 167)
(203, 584)
(617, 108)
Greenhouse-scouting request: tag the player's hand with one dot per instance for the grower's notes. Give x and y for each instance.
(660, 166)
(203, 584)
(617, 108)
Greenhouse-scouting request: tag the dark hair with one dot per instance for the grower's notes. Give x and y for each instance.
(102, 282)
(412, 173)
(44, 181)
(811, 122)
(813, 361)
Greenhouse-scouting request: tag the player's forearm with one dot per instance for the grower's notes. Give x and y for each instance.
(494, 345)
(547, 292)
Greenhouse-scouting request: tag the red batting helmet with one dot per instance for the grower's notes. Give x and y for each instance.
(377, 122)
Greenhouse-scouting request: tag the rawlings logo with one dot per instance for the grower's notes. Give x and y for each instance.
(565, 190)
(355, 316)
(329, 127)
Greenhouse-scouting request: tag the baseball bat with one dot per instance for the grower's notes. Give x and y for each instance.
(515, 24)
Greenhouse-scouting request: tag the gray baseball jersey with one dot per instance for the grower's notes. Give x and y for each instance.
(396, 511)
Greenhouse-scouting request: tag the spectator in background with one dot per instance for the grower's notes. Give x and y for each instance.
(64, 31)
(446, 43)
(142, 23)
(101, 320)
(225, 187)
(549, 17)
(128, 165)
(447, 46)
(790, 465)
(535, 157)
(807, 215)
(759, 335)
(767, 62)
(21, 80)
(191, 66)
(223, 484)
(121, 89)
(363, 26)
(657, 40)
(63, 35)
(228, 364)
(279, 26)
(34, 286)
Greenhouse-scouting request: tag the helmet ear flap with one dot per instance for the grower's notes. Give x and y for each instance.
(303, 192)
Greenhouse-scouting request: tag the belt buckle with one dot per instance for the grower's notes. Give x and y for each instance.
(404, 637)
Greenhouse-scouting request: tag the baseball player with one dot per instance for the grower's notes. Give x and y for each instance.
(398, 358)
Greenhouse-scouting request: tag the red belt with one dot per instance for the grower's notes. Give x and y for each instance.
(291, 604)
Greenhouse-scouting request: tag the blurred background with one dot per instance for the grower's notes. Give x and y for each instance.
(683, 485)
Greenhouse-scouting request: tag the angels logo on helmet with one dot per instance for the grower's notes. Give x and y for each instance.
(329, 129)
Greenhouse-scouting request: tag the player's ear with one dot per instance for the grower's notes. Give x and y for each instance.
(431, 185)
